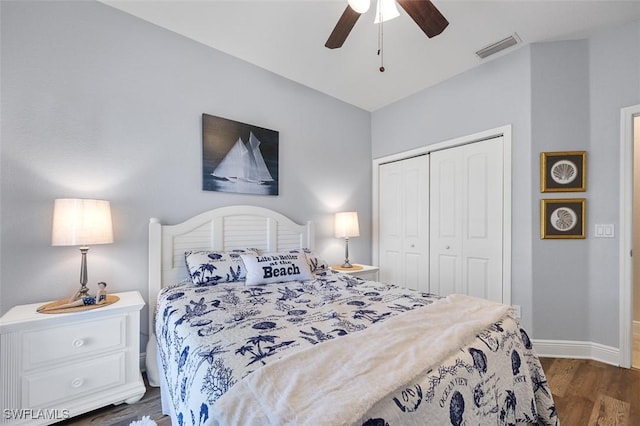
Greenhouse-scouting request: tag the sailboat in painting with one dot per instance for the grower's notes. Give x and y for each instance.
(244, 163)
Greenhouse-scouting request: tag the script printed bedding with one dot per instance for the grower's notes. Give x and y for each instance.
(335, 349)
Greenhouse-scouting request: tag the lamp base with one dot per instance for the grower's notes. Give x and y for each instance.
(84, 290)
(351, 268)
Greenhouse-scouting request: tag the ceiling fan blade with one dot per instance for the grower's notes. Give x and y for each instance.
(342, 29)
(426, 15)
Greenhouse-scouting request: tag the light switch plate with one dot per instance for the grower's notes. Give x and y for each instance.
(605, 230)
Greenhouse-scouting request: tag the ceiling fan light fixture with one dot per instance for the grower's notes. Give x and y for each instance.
(386, 10)
(360, 6)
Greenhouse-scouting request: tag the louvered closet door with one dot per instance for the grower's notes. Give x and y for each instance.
(466, 213)
(404, 222)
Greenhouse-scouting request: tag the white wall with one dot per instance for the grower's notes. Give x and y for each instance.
(99, 104)
(558, 96)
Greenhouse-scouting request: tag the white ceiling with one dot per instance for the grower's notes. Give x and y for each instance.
(287, 37)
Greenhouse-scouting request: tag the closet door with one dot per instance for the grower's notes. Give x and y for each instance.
(404, 222)
(466, 213)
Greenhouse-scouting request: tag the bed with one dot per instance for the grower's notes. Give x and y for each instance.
(271, 335)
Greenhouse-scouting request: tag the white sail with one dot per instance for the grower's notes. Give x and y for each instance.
(232, 165)
(244, 163)
(258, 171)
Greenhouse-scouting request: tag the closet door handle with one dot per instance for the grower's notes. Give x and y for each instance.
(447, 247)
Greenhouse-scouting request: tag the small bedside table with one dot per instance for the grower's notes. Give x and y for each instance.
(366, 272)
(56, 366)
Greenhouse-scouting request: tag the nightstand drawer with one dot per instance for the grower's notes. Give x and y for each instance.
(79, 339)
(44, 389)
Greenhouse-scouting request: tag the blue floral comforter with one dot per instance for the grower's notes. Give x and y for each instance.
(211, 337)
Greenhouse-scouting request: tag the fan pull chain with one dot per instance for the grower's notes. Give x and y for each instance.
(381, 42)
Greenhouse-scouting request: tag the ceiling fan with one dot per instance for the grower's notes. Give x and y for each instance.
(423, 12)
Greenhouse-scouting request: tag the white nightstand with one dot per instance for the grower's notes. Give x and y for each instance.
(56, 366)
(366, 272)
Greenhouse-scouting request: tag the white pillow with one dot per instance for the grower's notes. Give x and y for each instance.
(208, 267)
(316, 264)
(276, 267)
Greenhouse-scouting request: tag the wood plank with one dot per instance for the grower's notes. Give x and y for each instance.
(609, 411)
(574, 410)
(561, 374)
(634, 397)
(589, 375)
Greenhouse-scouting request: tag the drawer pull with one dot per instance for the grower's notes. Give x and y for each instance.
(77, 343)
(77, 382)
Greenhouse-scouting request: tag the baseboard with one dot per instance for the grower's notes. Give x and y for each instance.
(578, 350)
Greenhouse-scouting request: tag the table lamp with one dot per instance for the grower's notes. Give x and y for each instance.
(81, 222)
(346, 225)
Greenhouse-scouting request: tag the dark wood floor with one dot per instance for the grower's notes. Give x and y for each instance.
(591, 393)
(587, 393)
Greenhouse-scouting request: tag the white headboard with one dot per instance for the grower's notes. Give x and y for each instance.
(225, 228)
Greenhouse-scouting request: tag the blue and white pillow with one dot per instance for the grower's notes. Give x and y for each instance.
(269, 268)
(208, 267)
(316, 264)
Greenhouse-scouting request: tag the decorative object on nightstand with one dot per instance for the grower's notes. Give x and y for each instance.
(88, 302)
(346, 226)
(68, 364)
(81, 222)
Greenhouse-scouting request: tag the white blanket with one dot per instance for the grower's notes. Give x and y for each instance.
(338, 381)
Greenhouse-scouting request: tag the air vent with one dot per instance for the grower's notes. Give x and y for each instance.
(499, 46)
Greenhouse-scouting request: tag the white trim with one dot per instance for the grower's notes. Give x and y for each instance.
(626, 232)
(577, 350)
(143, 362)
(506, 215)
(505, 132)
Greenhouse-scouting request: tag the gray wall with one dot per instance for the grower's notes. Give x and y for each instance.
(560, 122)
(99, 104)
(614, 83)
(492, 95)
(558, 96)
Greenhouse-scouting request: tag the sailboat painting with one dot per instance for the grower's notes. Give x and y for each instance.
(238, 157)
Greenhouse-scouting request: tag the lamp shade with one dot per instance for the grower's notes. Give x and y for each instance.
(346, 225)
(81, 222)
(386, 10)
(360, 6)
